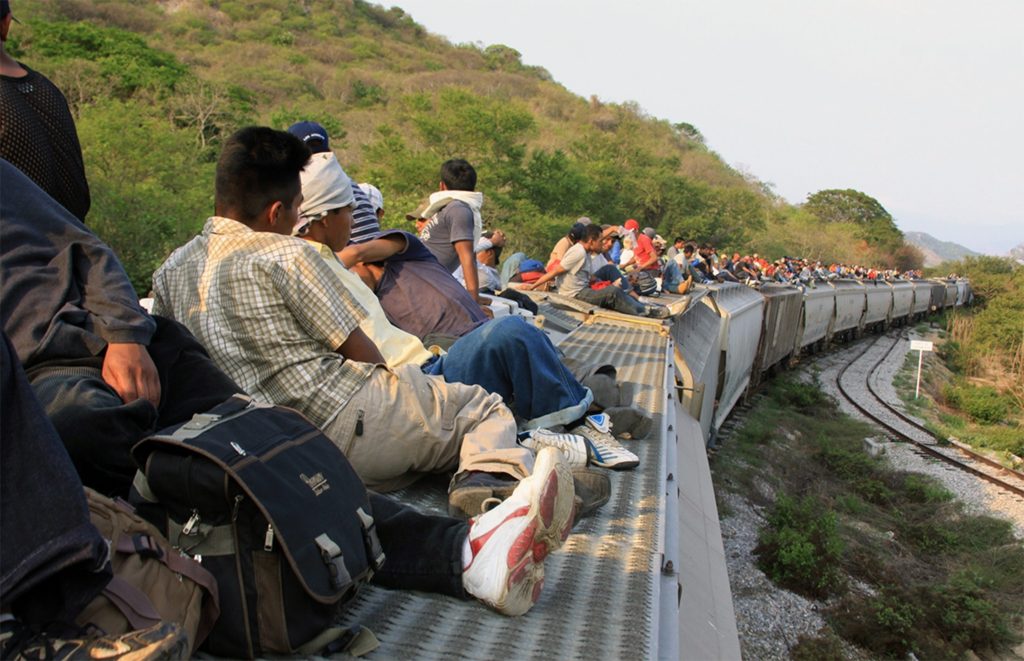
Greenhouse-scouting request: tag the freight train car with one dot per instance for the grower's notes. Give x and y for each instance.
(817, 316)
(783, 310)
(902, 301)
(963, 292)
(938, 299)
(922, 298)
(850, 300)
(878, 305)
(950, 300)
(698, 347)
(741, 308)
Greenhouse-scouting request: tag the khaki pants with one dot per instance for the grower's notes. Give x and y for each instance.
(414, 424)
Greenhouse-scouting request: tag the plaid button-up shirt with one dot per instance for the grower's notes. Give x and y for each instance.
(270, 312)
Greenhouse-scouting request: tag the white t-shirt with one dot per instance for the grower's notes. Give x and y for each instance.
(576, 262)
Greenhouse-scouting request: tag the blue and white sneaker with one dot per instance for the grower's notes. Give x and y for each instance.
(604, 450)
(573, 446)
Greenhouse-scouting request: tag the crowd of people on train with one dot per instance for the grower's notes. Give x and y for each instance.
(292, 293)
(642, 262)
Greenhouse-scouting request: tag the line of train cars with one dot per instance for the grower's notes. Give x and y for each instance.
(733, 336)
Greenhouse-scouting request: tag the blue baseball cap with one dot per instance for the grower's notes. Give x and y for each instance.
(314, 135)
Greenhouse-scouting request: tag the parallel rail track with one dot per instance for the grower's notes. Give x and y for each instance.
(994, 472)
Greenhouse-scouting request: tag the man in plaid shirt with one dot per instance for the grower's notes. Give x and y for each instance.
(277, 320)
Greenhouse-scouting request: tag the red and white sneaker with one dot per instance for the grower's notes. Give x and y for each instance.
(508, 544)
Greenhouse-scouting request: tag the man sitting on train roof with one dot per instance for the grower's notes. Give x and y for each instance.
(365, 214)
(506, 356)
(276, 318)
(578, 271)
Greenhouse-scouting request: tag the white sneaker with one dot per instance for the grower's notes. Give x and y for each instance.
(508, 544)
(573, 446)
(605, 450)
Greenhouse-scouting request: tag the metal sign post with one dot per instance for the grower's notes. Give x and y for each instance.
(920, 346)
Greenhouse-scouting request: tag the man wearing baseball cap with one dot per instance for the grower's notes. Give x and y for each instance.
(365, 222)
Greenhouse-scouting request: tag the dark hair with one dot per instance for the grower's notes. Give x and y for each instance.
(257, 167)
(576, 232)
(591, 232)
(678, 239)
(458, 174)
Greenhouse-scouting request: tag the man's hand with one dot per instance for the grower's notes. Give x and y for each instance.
(128, 369)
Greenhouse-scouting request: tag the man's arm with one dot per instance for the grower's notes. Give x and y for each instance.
(550, 275)
(360, 348)
(467, 258)
(376, 250)
(36, 229)
(653, 259)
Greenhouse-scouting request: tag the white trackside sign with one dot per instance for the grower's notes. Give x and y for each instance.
(920, 346)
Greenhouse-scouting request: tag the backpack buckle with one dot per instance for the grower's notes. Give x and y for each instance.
(333, 558)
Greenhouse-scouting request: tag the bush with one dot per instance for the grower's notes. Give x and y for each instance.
(983, 403)
(804, 397)
(800, 547)
(935, 621)
(920, 488)
(124, 58)
(826, 646)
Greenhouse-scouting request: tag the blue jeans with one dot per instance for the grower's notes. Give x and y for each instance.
(613, 298)
(514, 359)
(611, 273)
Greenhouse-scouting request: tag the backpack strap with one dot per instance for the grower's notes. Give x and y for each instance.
(144, 546)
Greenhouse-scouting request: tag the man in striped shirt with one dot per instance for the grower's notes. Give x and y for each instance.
(365, 223)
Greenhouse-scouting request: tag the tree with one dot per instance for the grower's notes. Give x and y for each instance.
(846, 206)
(851, 206)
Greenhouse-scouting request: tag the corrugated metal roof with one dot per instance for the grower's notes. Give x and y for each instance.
(601, 591)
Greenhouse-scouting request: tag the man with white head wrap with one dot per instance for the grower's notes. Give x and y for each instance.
(505, 356)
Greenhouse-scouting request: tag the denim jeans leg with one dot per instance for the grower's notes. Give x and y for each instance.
(514, 359)
(613, 298)
(612, 274)
(671, 277)
(52, 559)
(423, 552)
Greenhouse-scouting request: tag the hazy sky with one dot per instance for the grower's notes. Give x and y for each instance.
(919, 103)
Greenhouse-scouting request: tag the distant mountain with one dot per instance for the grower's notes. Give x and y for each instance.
(936, 251)
(1017, 252)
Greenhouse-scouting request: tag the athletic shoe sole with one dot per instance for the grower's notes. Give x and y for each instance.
(547, 521)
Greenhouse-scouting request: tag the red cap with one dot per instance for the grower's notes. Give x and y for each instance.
(632, 225)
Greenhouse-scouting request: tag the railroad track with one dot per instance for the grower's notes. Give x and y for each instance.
(902, 427)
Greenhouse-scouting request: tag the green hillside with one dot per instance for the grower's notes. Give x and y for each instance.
(157, 85)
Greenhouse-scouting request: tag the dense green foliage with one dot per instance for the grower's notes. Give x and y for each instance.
(985, 352)
(157, 86)
(982, 403)
(872, 222)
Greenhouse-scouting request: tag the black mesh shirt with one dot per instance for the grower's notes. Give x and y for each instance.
(37, 135)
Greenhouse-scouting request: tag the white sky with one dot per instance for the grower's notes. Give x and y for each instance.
(919, 103)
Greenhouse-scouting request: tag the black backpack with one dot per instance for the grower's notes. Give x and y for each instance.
(272, 508)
